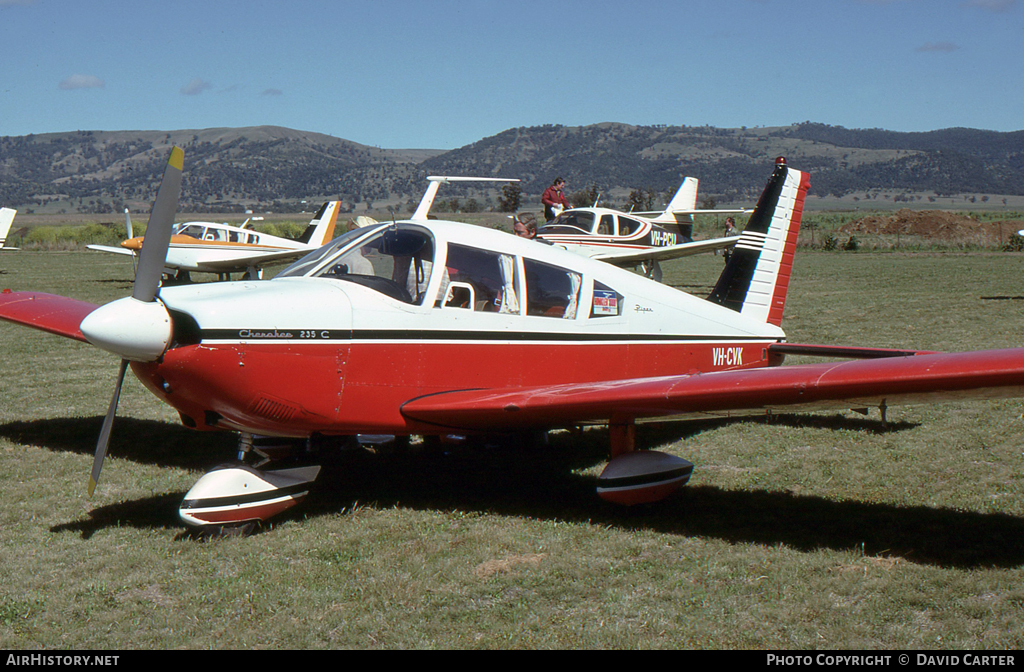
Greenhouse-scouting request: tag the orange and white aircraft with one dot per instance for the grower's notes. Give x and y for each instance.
(633, 239)
(428, 327)
(209, 247)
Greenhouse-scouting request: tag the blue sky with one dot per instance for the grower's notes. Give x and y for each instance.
(444, 73)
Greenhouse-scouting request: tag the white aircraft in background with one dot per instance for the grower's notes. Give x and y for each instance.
(636, 238)
(209, 247)
(6, 219)
(436, 181)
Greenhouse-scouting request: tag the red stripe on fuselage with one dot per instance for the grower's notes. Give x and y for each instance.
(359, 386)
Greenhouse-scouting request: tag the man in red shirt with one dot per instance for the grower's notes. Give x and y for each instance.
(552, 197)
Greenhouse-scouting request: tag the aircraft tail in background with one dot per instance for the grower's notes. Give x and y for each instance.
(682, 205)
(321, 228)
(6, 219)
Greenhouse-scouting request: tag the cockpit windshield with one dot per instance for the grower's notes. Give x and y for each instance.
(570, 222)
(393, 260)
(196, 231)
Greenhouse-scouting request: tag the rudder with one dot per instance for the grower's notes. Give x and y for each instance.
(320, 229)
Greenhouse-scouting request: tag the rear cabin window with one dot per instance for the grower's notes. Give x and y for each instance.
(551, 291)
(607, 302)
(479, 280)
(627, 226)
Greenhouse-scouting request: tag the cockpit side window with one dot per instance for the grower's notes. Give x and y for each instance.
(551, 291)
(192, 230)
(319, 257)
(396, 261)
(479, 280)
(607, 226)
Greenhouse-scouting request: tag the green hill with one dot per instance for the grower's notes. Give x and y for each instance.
(279, 168)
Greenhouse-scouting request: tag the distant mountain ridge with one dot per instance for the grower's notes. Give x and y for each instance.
(271, 166)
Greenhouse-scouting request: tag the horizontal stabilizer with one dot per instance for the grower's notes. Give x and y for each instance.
(841, 351)
(630, 257)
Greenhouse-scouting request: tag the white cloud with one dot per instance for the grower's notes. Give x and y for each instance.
(81, 82)
(195, 87)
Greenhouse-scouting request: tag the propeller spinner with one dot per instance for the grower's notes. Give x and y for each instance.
(138, 328)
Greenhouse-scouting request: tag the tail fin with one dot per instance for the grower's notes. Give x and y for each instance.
(434, 183)
(128, 224)
(685, 199)
(756, 279)
(6, 219)
(321, 228)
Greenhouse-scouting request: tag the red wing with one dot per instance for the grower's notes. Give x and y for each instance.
(48, 312)
(848, 384)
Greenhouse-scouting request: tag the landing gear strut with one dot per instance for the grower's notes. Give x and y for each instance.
(639, 477)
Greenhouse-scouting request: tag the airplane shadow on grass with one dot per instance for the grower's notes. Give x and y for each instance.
(539, 481)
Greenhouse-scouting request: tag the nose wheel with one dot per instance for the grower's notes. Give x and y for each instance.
(238, 495)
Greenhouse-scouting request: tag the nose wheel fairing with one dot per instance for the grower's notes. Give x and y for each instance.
(235, 494)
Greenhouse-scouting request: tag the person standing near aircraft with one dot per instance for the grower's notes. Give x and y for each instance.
(552, 198)
(730, 230)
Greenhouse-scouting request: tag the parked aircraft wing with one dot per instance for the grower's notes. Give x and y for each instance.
(46, 312)
(256, 259)
(835, 385)
(628, 257)
(110, 248)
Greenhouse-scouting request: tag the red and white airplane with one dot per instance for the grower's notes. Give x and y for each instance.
(636, 239)
(430, 327)
(209, 247)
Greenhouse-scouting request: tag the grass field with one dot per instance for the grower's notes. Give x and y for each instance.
(817, 531)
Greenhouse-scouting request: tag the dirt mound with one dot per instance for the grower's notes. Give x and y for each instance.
(934, 224)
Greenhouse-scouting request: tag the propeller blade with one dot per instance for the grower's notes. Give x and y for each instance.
(128, 228)
(158, 231)
(108, 423)
(147, 282)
